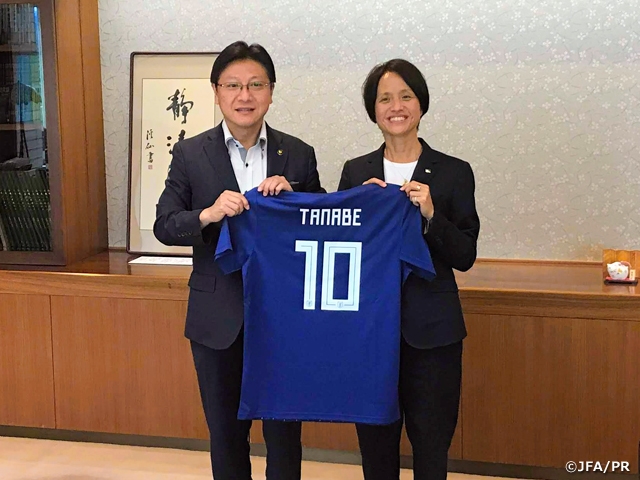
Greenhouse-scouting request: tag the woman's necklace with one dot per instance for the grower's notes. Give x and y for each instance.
(399, 171)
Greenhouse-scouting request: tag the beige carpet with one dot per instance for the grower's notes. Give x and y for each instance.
(28, 459)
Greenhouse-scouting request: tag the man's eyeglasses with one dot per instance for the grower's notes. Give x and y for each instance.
(237, 86)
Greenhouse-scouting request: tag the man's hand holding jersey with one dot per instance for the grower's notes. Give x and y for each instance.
(230, 203)
(274, 185)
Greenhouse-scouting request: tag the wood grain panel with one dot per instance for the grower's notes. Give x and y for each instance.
(542, 391)
(93, 123)
(124, 366)
(89, 285)
(71, 109)
(506, 288)
(81, 129)
(330, 436)
(255, 435)
(26, 362)
(622, 303)
(54, 153)
(540, 277)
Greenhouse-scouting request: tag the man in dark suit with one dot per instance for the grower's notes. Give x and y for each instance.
(442, 187)
(209, 174)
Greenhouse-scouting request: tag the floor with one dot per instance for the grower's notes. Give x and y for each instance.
(29, 459)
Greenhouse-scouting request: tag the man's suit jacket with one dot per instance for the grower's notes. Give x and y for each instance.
(200, 171)
(431, 311)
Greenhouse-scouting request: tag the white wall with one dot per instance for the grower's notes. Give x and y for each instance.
(541, 97)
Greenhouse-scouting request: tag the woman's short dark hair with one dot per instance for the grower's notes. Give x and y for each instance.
(409, 73)
(242, 51)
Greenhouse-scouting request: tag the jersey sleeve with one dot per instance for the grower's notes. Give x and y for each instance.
(237, 238)
(414, 252)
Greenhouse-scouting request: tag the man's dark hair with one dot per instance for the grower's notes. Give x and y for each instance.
(240, 50)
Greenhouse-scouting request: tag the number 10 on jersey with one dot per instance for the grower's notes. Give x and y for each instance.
(331, 249)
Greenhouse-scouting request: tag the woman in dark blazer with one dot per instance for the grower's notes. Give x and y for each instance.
(396, 97)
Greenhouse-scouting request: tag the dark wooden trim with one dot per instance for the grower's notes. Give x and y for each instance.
(25, 125)
(94, 124)
(549, 303)
(11, 2)
(90, 285)
(54, 149)
(129, 163)
(18, 48)
(33, 258)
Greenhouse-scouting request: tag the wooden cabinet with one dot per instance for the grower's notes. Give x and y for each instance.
(26, 361)
(550, 372)
(122, 365)
(545, 390)
(52, 174)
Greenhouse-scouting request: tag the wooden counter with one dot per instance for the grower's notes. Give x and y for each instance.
(551, 366)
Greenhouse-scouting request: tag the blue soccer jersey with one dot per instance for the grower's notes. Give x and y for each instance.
(322, 287)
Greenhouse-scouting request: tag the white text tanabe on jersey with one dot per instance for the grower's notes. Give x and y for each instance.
(339, 217)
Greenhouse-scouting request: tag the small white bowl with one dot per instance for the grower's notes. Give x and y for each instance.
(618, 270)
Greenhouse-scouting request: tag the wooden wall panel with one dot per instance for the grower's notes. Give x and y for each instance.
(543, 391)
(124, 366)
(26, 364)
(256, 432)
(619, 302)
(94, 125)
(75, 196)
(90, 285)
(330, 436)
(81, 129)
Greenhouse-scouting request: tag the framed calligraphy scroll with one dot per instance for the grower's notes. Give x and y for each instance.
(170, 99)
